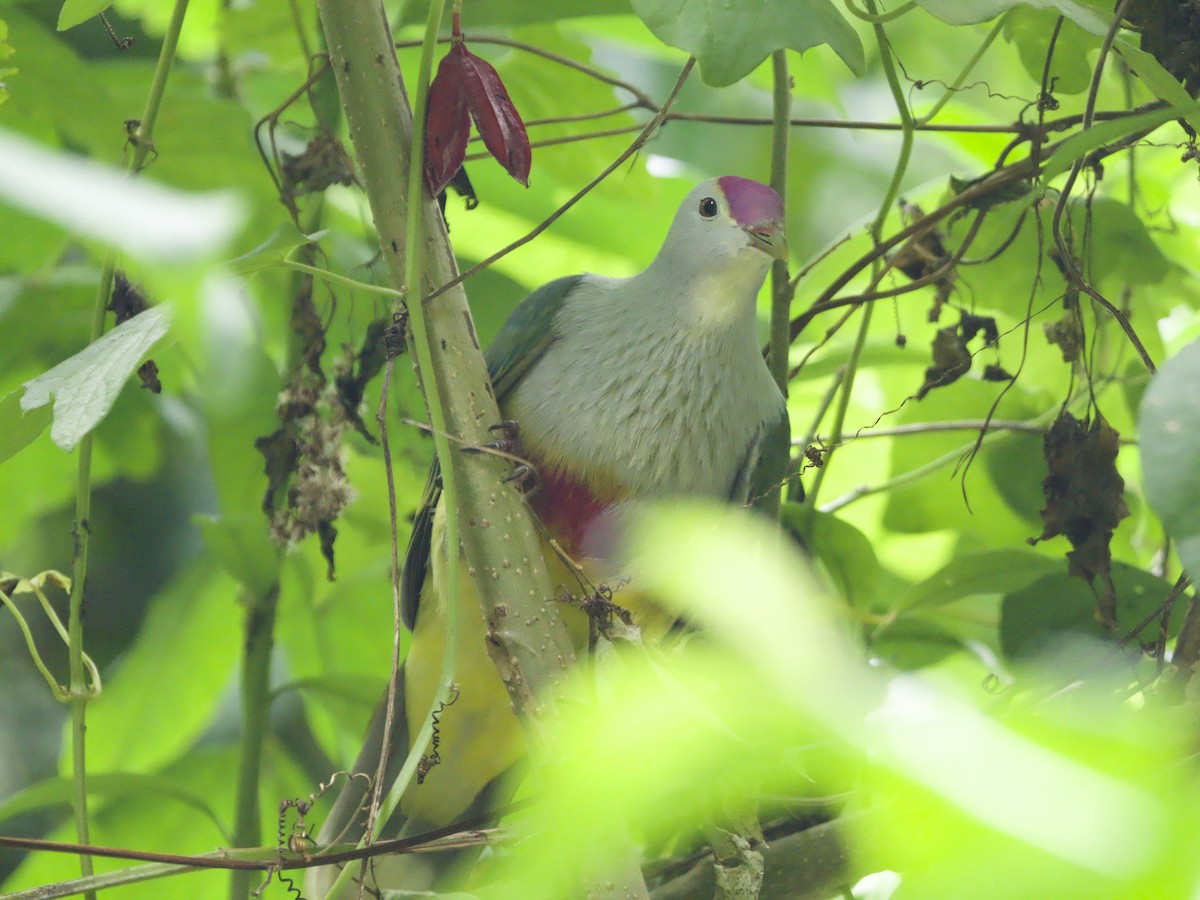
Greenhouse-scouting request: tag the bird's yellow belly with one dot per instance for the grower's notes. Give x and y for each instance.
(479, 737)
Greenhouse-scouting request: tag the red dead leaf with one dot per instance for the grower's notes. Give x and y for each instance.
(447, 122)
(465, 88)
(496, 119)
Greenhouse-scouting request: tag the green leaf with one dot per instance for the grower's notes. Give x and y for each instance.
(74, 12)
(241, 390)
(1162, 83)
(243, 548)
(1083, 143)
(5, 52)
(18, 428)
(970, 12)
(140, 819)
(936, 502)
(507, 13)
(1120, 243)
(164, 691)
(1016, 462)
(988, 572)
(141, 217)
(1169, 438)
(86, 385)
(271, 253)
(58, 792)
(1030, 29)
(730, 38)
(1037, 617)
(844, 552)
(912, 643)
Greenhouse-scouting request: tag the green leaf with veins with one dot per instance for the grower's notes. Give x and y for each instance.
(730, 38)
(86, 385)
(1168, 437)
(1087, 15)
(74, 12)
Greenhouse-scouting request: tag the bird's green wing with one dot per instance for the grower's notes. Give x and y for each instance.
(526, 334)
(765, 462)
(521, 341)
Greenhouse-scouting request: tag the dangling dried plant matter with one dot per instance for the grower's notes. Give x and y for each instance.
(1085, 499)
(468, 88)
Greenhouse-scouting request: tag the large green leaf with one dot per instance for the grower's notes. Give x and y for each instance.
(85, 386)
(730, 38)
(58, 793)
(1162, 83)
(1169, 438)
(988, 572)
(75, 11)
(1040, 615)
(141, 819)
(1084, 142)
(937, 501)
(1030, 30)
(844, 552)
(167, 686)
(968, 12)
(242, 547)
(101, 202)
(17, 427)
(5, 52)
(1121, 245)
(519, 12)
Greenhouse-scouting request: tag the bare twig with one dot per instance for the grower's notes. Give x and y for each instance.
(945, 425)
(1064, 250)
(393, 515)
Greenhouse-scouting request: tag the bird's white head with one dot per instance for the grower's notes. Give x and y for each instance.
(723, 238)
(725, 216)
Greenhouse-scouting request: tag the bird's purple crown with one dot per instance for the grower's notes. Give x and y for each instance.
(750, 202)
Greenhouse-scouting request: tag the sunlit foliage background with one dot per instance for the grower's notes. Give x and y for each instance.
(935, 679)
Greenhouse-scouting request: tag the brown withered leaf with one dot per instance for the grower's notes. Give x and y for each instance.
(327, 536)
(127, 299)
(447, 123)
(461, 185)
(351, 383)
(148, 373)
(922, 254)
(951, 360)
(971, 326)
(496, 119)
(1171, 34)
(952, 357)
(1066, 334)
(280, 454)
(306, 324)
(1085, 499)
(323, 162)
(469, 88)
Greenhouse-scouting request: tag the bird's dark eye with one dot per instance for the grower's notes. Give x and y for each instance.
(708, 207)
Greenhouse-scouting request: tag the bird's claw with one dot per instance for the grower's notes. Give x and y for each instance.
(510, 436)
(522, 474)
(509, 444)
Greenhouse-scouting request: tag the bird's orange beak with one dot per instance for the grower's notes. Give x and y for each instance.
(769, 238)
